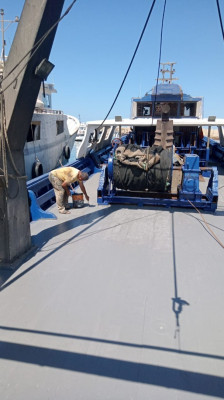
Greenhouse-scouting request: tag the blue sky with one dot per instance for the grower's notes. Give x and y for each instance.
(95, 42)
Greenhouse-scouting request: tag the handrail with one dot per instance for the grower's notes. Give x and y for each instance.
(40, 110)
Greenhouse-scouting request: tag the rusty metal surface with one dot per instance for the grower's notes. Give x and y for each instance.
(164, 134)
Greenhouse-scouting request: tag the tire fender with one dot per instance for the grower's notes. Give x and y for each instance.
(37, 169)
(66, 152)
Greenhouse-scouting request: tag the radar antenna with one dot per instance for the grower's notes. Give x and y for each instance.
(167, 68)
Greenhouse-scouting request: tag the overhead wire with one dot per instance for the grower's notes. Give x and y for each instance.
(159, 62)
(161, 39)
(220, 18)
(131, 62)
(160, 52)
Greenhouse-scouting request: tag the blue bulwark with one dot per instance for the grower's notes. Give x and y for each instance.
(35, 211)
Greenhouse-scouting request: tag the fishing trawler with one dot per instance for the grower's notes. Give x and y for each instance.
(51, 136)
(123, 298)
(143, 319)
(182, 114)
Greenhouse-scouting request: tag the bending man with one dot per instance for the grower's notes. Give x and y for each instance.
(61, 179)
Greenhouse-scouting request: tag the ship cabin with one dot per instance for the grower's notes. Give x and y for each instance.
(182, 108)
(181, 105)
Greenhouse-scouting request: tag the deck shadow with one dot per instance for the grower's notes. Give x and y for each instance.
(112, 342)
(44, 236)
(148, 374)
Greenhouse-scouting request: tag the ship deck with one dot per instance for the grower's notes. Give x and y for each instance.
(116, 302)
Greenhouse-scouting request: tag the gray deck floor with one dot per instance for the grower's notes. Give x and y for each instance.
(90, 315)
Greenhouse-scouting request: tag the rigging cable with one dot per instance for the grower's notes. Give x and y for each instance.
(206, 223)
(4, 140)
(160, 52)
(220, 18)
(5, 144)
(35, 48)
(136, 49)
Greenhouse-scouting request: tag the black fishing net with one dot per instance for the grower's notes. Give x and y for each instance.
(133, 177)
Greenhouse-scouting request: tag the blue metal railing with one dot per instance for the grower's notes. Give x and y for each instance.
(41, 193)
(42, 187)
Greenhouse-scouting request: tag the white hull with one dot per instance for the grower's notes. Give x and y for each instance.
(81, 132)
(49, 149)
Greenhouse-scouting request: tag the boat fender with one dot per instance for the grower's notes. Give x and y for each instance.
(66, 152)
(37, 169)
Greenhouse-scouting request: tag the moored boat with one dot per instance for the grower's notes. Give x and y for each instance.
(51, 136)
(81, 132)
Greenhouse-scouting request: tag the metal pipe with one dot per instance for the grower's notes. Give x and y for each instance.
(208, 141)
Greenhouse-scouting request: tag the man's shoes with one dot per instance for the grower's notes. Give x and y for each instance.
(64, 212)
(68, 207)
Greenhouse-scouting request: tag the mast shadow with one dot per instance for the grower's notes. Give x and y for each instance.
(177, 302)
(148, 374)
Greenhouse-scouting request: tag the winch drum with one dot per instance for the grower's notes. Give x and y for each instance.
(156, 179)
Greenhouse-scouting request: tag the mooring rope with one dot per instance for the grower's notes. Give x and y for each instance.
(207, 225)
